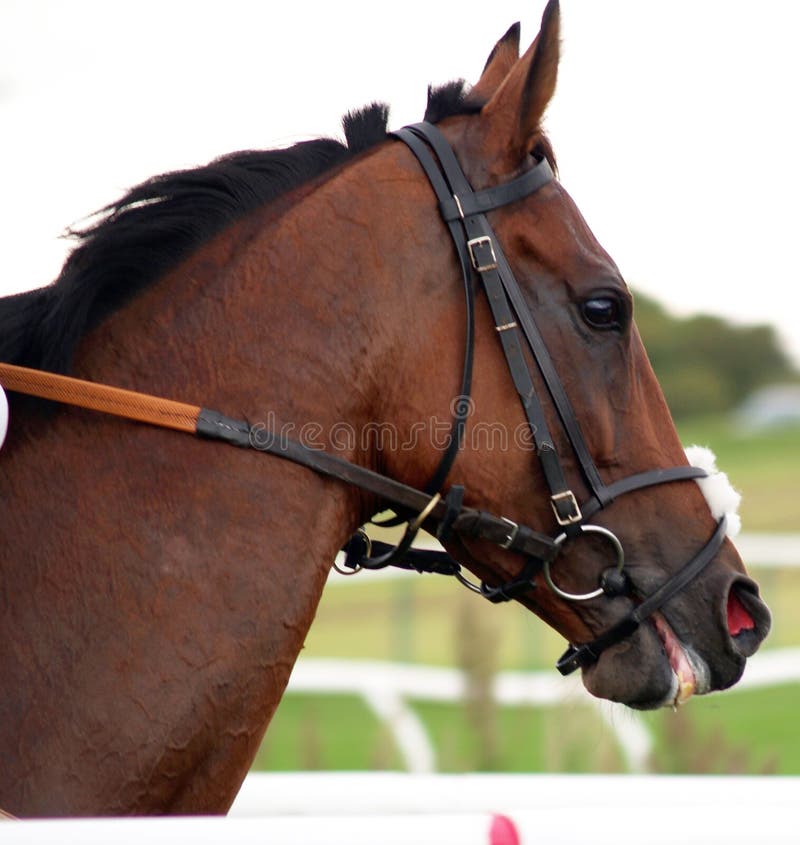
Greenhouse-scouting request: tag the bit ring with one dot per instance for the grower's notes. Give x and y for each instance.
(585, 529)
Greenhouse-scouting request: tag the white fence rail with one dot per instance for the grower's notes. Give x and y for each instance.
(380, 793)
(550, 809)
(443, 829)
(396, 809)
(779, 551)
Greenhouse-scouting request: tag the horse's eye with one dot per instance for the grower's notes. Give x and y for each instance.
(602, 312)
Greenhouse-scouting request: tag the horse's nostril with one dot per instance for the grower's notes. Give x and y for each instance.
(748, 618)
(738, 618)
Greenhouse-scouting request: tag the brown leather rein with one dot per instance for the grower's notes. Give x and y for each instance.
(140, 407)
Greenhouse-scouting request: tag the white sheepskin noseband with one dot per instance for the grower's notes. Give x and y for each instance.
(722, 499)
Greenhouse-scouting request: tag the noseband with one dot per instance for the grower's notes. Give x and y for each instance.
(481, 257)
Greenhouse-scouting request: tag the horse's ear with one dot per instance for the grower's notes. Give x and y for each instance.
(499, 64)
(515, 110)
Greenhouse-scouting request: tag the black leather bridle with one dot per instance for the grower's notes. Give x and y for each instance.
(444, 514)
(480, 255)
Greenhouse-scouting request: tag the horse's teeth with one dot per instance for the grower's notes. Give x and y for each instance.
(685, 690)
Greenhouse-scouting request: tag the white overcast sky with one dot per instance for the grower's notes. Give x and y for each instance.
(675, 123)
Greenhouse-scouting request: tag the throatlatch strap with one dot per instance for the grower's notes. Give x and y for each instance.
(461, 403)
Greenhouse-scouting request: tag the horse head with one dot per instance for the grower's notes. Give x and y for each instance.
(604, 418)
(163, 598)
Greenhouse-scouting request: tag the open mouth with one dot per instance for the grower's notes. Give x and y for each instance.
(688, 679)
(746, 620)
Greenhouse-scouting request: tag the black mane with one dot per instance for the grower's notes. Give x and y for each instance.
(135, 240)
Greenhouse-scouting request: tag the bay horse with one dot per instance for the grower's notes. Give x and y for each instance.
(156, 588)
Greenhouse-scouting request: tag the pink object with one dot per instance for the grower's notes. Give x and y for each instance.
(503, 831)
(738, 618)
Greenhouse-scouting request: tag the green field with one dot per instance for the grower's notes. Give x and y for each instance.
(430, 620)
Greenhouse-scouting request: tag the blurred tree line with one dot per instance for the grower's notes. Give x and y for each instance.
(706, 364)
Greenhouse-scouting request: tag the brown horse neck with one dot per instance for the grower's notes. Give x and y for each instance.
(193, 598)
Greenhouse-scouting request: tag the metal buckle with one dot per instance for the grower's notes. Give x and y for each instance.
(479, 244)
(566, 496)
(512, 534)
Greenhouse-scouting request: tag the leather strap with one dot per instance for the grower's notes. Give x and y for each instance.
(100, 397)
(461, 403)
(468, 523)
(479, 202)
(204, 422)
(449, 183)
(638, 482)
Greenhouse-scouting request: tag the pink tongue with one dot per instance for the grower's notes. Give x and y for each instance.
(738, 618)
(675, 652)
